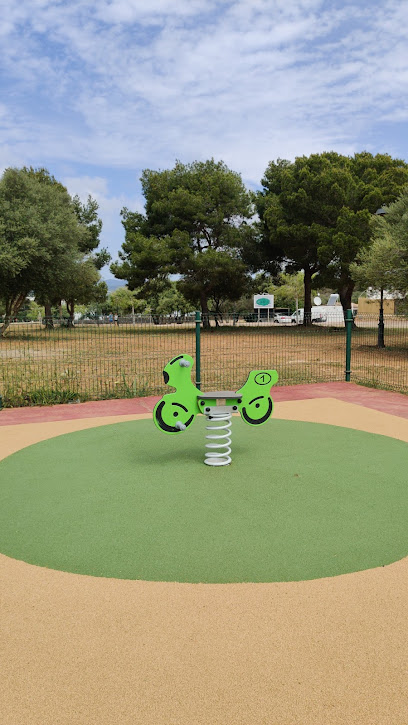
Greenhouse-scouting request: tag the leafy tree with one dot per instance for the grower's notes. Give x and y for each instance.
(91, 224)
(39, 234)
(34, 311)
(93, 310)
(289, 290)
(215, 278)
(87, 215)
(377, 181)
(23, 311)
(48, 243)
(82, 285)
(74, 274)
(315, 214)
(384, 265)
(77, 283)
(298, 210)
(195, 225)
(123, 301)
(170, 300)
(43, 176)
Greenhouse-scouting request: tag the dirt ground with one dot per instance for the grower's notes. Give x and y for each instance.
(78, 650)
(44, 367)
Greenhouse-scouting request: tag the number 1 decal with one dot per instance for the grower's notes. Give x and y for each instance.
(263, 378)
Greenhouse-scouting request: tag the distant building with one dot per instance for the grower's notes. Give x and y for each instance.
(370, 304)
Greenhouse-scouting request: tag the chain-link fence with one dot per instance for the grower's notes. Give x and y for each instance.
(237, 345)
(99, 359)
(380, 358)
(41, 365)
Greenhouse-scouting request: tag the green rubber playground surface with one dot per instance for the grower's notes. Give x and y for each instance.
(300, 501)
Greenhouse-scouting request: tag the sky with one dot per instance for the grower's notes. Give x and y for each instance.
(98, 91)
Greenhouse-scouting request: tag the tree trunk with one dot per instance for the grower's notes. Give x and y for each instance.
(346, 293)
(5, 325)
(48, 321)
(12, 307)
(71, 312)
(205, 315)
(7, 319)
(307, 317)
(217, 314)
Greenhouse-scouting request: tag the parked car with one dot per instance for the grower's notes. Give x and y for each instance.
(283, 319)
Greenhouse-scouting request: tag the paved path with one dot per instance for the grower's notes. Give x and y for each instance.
(80, 650)
(387, 402)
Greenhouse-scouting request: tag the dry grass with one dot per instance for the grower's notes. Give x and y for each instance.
(38, 366)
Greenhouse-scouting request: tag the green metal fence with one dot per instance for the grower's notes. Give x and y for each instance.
(99, 360)
(380, 367)
(90, 361)
(301, 355)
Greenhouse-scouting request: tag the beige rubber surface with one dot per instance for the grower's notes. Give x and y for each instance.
(83, 650)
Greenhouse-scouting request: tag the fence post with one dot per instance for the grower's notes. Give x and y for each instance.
(349, 324)
(381, 321)
(198, 349)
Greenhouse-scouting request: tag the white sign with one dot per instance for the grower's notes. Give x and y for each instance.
(264, 302)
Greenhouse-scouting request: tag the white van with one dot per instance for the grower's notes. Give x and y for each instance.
(334, 315)
(317, 315)
(328, 314)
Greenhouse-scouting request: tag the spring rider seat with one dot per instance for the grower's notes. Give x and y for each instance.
(175, 412)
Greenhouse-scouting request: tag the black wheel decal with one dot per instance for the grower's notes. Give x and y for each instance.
(164, 426)
(254, 421)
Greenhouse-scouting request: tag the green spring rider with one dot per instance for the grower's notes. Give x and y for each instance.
(175, 412)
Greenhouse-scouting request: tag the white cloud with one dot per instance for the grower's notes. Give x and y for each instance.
(127, 84)
(131, 11)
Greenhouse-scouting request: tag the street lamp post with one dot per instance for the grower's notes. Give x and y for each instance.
(380, 339)
(381, 342)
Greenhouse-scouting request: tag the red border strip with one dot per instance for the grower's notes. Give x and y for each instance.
(384, 401)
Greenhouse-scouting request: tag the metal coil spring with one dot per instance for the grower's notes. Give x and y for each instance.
(214, 455)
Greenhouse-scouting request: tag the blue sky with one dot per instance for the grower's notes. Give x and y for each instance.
(98, 91)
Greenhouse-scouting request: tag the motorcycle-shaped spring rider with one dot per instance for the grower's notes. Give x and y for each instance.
(175, 412)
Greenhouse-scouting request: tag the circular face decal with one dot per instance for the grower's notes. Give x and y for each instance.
(257, 410)
(167, 414)
(263, 378)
